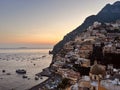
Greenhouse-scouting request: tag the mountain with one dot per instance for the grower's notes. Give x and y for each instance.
(110, 13)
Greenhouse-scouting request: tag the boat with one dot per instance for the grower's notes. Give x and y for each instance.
(24, 76)
(43, 56)
(36, 78)
(21, 71)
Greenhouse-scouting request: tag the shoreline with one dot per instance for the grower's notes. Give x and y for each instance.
(45, 73)
(48, 83)
(39, 86)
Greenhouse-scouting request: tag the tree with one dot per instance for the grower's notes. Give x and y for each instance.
(64, 84)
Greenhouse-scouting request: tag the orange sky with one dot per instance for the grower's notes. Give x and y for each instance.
(43, 21)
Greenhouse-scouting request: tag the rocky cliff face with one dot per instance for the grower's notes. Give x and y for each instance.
(109, 13)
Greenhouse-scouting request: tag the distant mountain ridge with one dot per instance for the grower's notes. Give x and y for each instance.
(110, 13)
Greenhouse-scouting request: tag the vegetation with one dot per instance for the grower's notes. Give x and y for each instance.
(64, 84)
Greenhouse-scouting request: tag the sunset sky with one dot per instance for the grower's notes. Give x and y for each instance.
(42, 22)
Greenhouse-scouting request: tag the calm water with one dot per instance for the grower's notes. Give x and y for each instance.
(13, 59)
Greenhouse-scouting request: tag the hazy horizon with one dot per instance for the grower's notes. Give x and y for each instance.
(15, 46)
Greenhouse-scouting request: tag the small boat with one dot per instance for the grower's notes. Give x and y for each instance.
(43, 56)
(36, 78)
(41, 77)
(3, 71)
(24, 76)
(28, 78)
(8, 73)
(21, 71)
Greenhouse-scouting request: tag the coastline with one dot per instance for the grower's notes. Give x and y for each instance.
(39, 86)
(45, 73)
(53, 80)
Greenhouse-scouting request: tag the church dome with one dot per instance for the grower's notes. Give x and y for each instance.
(98, 69)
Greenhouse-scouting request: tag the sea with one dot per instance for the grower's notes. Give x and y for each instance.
(31, 60)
